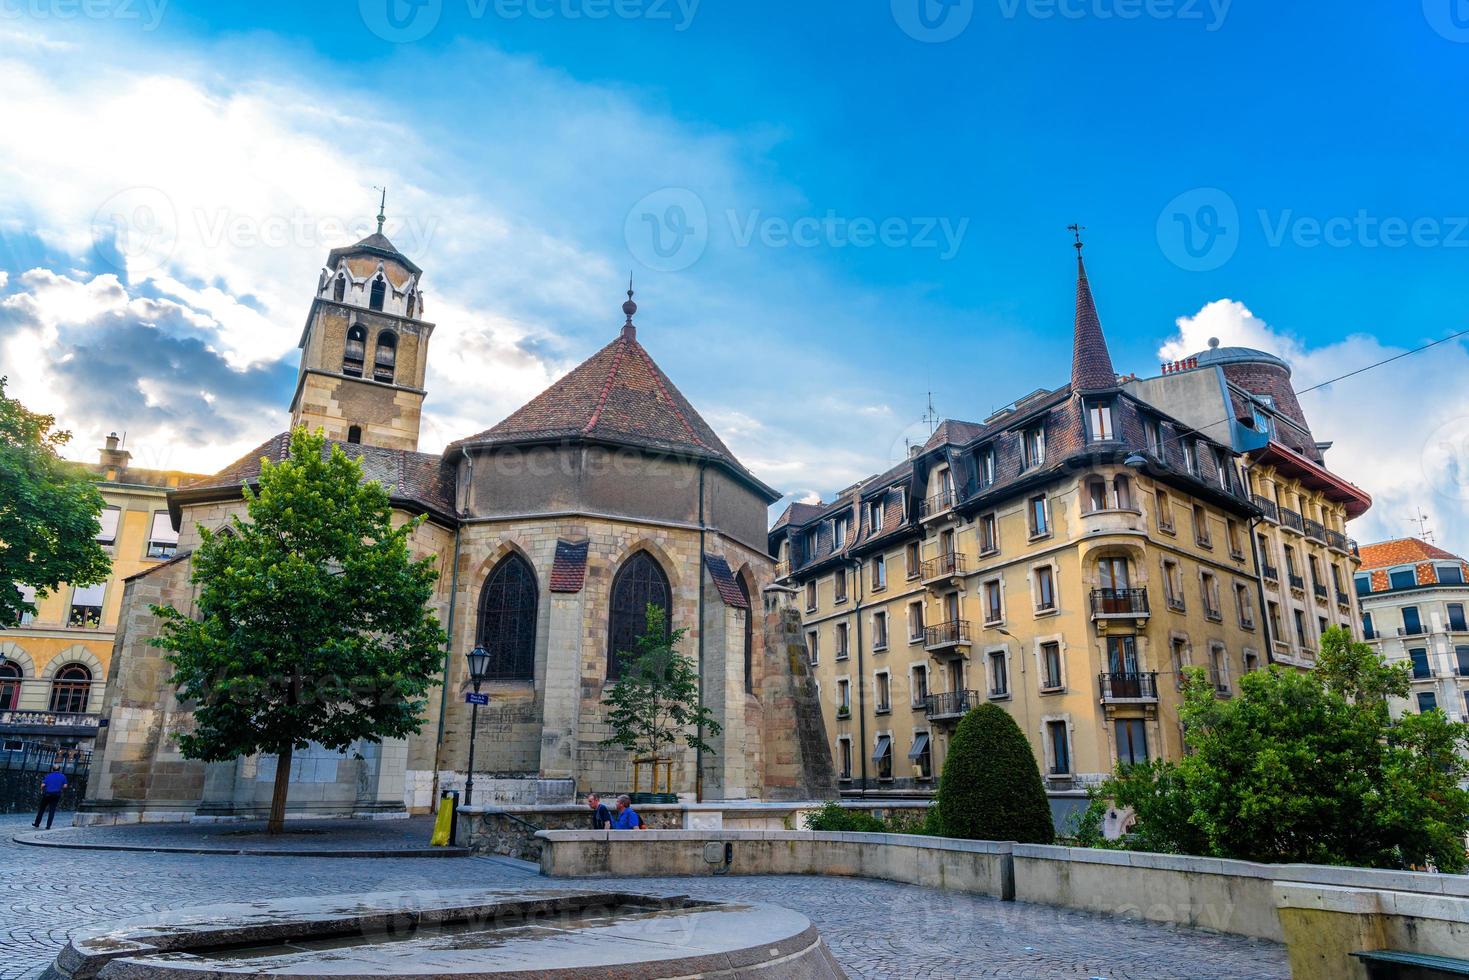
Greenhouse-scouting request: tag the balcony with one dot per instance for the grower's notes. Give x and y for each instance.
(1297, 582)
(1319, 591)
(782, 569)
(1343, 600)
(1412, 631)
(950, 705)
(944, 568)
(939, 503)
(950, 637)
(1270, 572)
(1129, 686)
(1272, 513)
(1120, 604)
(1315, 531)
(1292, 520)
(1337, 541)
(72, 724)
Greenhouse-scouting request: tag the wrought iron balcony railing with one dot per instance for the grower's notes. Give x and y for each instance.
(1292, 520)
(1316, 531)
(950, 704)
(952, 633)
(938, 503)
(1297, 581)
(1270, 571)
(1272, 512)
(1337, 541)
(944, 566)
(1120, 602)
(1319, 590)
(1129, 686)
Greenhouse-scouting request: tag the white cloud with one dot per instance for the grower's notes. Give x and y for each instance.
(1400, 431)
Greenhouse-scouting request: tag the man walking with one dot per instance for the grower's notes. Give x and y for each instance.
(601, 816)
(627, 818)
(51, 786)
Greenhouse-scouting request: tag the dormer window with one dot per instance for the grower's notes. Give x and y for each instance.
(1153, 431)
(1099, 421)
(985, 466)
(355, 351)
(813, 544)
(1191, 457)
(874, 516)
(1034, 446)
(386, 358)
(379, 293)
(339, 288)
(838, 533)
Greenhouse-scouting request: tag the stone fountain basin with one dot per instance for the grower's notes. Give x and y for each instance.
(464, 934)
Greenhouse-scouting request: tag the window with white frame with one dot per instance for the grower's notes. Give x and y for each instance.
(1034, 447)
(985, 466)
(86, 607)
(1099, 421)
(874, 515)
(163, 540)
(839, 533)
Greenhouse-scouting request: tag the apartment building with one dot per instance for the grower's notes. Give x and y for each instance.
(1414, 600)
(1245, 398)
(53, 666)
(1066, 558)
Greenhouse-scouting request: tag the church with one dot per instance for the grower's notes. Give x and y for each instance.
(552, 532)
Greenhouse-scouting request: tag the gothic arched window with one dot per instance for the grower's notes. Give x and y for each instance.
(412, 297)
(379, 293)
(507, 620)
(10, 676)
(339, 288)
(355, 351)
(640, 582)
(749, 635)
(70, 689)
(384, 361)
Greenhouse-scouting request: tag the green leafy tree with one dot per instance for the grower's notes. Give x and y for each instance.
(991, 787)
(1308, 767)
(312, 622)
(654, 703)
(48, 512)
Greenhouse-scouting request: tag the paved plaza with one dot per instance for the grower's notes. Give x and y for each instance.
(876, 929)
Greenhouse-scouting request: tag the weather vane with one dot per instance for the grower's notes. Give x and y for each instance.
(382, 208)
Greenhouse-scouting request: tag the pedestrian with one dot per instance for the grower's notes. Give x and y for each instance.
(627, 817)
(51, 786)
(601, 816)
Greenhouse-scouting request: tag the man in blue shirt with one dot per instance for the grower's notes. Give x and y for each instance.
(627, 817)
(601, 816)
(51, 786)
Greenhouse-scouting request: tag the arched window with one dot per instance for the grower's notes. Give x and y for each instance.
(749, 635)
(70, 689)
(412, 298)
(1123, 487)
(379, 293)
(386, 357)
(339, 288)
(355, 350)
(10, 676)
(1096, 494)
(507, 620)
(640, 582)
(354, 434)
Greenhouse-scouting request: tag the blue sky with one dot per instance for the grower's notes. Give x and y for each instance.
(1283, 174)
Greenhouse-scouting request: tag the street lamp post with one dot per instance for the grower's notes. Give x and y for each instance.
(479, 665)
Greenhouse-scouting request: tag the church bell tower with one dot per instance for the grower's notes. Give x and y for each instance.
(365, 348)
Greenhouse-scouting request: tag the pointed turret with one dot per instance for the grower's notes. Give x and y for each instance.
(1091, 364)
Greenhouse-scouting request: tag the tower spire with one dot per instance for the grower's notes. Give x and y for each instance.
(629, 329)
(1091, 363)
(382, 210)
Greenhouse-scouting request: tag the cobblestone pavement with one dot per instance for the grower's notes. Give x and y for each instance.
(876, 929)
(300, 835)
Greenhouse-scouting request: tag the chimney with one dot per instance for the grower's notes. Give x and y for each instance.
(114, 458)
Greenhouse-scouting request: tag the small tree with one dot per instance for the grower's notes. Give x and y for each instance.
(991, 787)
(1308, 767)
(654, 703)
(48, 512)
(312, 620)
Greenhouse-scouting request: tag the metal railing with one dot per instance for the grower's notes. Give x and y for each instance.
(31, 719)
(944, 566)
(1129, 685)
(1272, 512)
(1297, 581)
(1316, 531)
(950, 704)
(1270, 571)
(1412, 631)
(1292, 520)
(1337, 540)
(1320, 591)
(31, 757)
(1342, 599)
(947, 634)
(1120, 602)
(938, 503)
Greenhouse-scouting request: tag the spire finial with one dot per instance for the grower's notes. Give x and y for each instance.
(1077, 230)
(382, 209)
(629, 330)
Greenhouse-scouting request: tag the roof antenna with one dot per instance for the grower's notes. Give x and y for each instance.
(629, 330)
(931, 416)
(381, 208)
(1421, 519)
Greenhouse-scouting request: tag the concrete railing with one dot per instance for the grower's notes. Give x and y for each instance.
(1322, 913)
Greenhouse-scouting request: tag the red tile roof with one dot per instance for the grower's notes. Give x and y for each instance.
(569, 569)
(724, 580)
(1402, 551)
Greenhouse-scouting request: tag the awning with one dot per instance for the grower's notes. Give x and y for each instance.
(90, 595)
(920, 746)
(884, 748)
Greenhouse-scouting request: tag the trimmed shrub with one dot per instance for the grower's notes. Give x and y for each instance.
(835, 818)
(991, 787)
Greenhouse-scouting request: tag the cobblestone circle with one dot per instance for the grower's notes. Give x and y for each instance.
(876, 929)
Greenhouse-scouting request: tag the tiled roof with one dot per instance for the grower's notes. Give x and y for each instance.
(1402, 551)
(1091, 364)
(417, 478)
(724, 580)
(569, 569)
(797, 513)
(375, 244)
(618, 395)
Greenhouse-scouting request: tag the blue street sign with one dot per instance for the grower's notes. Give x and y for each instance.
(472, 698)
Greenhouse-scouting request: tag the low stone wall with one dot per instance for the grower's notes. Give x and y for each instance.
(1323, 914)
(511, 830)
(982, 867)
